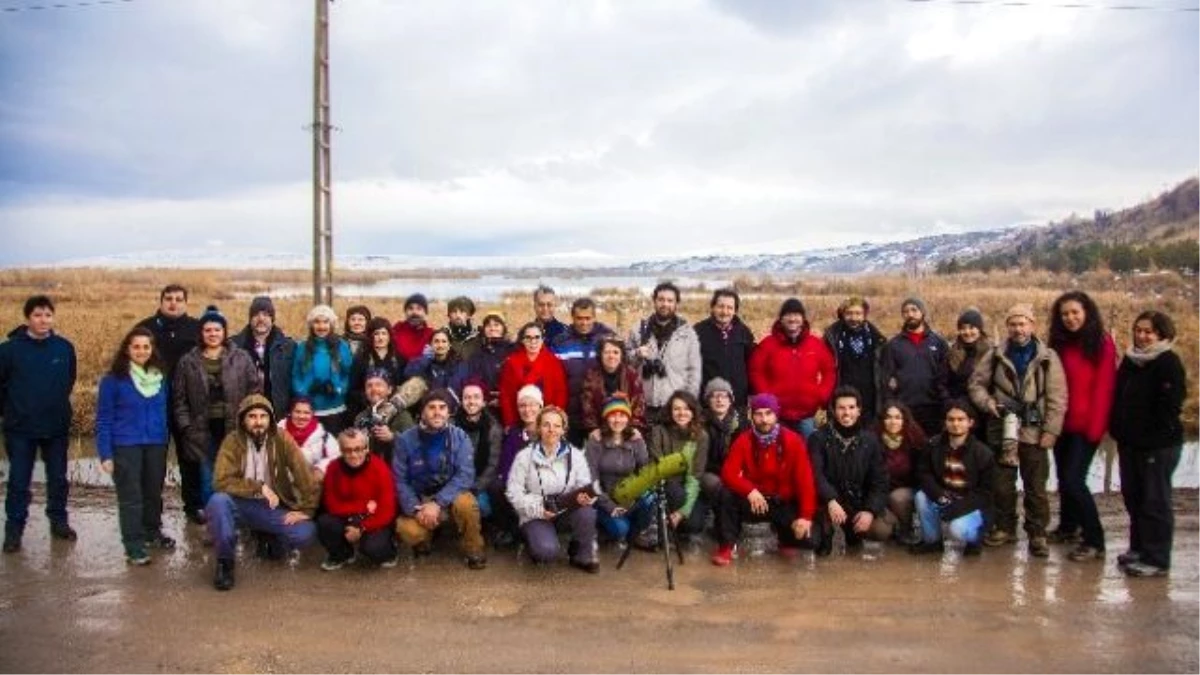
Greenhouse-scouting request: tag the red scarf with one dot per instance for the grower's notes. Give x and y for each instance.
(301, 434)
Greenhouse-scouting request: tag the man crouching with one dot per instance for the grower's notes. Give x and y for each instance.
(260, 481)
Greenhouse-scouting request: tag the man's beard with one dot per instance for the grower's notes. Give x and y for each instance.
(913, 324)
(258, 436)
(416, 321)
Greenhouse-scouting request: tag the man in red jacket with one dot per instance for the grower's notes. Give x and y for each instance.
(796, 366)
(360, 504)
(412, 335)
(767, 477)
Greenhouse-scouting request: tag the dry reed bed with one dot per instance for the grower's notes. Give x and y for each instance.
(96, 307)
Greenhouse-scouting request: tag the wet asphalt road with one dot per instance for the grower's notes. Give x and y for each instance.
(78, 607)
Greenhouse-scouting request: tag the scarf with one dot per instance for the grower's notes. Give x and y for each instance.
(768, 439)
(845, 436)
(301, 434)
(460, 333)
(148, 383)
(730, 423)
(891, 442)
(1141, 357)
(662, 330)
(856, 342)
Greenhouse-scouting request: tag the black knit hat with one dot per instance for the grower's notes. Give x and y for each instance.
(792, 306)
(417, 299)
(213, 315)
(971, 317)
(262, 304)
(440, 394)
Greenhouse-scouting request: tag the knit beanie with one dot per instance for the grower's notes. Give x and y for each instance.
(971, 317)
(262, 304)
(213, 315)
(1024, 309)
(321, 312)
(442, 395)
(768, 401)
(531, 391)
(378, 374)
(792, 306)
(616, 403)
(717, 384)
(417, 299)
(915, 302)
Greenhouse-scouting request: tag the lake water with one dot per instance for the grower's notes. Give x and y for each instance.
(491, 287)
(86, 470)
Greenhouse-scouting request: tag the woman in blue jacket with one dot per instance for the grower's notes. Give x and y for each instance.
(131, 439)
(321, 369)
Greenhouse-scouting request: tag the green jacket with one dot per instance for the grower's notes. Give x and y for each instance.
(664, 441)
(290, 474)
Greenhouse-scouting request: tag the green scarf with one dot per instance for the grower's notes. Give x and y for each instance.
(148, 383)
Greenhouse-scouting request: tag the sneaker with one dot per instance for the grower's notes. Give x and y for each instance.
(331, 564)
(223, 576)
(1128, 558)
(1060, 537)
(1083, 553)
(591, 567)
(12, 543)
(503, 539)
(476, 562)
(268, 547)
(924, 547)
(999, 537)
(196, 516)
(974, 548)
(392, 561)
(1141, 569)
(723, 556)
(137, 556)
(62, 531)
(422, 550)
(161, 542)
(643, 542)
(1039, 548)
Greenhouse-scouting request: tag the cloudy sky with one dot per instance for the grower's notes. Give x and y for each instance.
(622, 127)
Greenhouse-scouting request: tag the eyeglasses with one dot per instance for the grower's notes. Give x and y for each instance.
(354, 451)
(532, 338)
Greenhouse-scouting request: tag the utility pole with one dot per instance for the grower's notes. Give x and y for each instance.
(322, 174)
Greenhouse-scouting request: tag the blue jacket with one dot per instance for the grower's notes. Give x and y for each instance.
(577, 353)
(313, 381)
(36, 378)
(125, 417)
(446, 375)
(421, 468)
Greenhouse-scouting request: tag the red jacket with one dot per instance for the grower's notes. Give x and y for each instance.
(346, 494)
(1090, 388)
(748, 468)
(410, 342)
(546, 372)
(802, 374)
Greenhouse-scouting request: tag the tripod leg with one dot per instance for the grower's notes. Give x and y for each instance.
(624, 554)
(664, 536)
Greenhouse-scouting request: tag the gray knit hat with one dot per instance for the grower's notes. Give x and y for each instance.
(718, 384)
(916, 302)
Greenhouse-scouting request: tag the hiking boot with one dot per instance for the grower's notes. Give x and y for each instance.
(423, 549)
(591, 567)
(161, 542)
(62, 531)
(723, 557)
(332, 564)
(999, 537)
(973, 548)
(267, 547)
(223, 576)
(1039, 548)
(476, 562)
(1128, 558)
(503, 539)
(136, 555)
(1060, 537)
(1083, 553)
(924, 547)
(1141, 569)
(196, 516)
(12, 543)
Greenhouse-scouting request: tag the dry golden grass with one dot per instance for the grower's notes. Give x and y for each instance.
(96, 307)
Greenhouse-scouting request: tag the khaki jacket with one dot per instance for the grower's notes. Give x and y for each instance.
(290, 473)
(995, 382)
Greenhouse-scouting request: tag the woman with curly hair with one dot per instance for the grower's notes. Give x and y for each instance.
(682, 431)
(902, 440)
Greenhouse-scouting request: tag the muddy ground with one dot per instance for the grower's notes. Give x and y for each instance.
(78, 607)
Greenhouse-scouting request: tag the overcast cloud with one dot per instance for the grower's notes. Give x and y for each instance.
(643, 127)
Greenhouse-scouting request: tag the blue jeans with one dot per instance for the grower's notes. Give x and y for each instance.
(967, 529)
(634, 520)
(485, 503)
(805, 427)
(206, 466)
(1073, 456)
(22, 453)
(226, 513)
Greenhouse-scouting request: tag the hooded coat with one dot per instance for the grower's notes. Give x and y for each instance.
(291, 477)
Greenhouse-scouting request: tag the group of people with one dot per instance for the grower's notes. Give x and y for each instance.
(377, 436)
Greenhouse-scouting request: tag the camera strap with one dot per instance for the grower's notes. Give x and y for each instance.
(566, 481)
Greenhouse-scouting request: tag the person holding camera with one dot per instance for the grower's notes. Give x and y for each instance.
(768, 478)
(796, 366)
(667, 351)
(550, 487)
(321, 369)
(532, 363)
(1023, 387)
(851, 477)
(209, 383)
(434, 470)
(359, 505)
(385, 416)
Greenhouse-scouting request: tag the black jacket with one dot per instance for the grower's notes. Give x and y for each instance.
(920, 370)
(726, 359)
(978, 462)
(276, 369)
(719, 440)
(173, 337)
(1147, 403)
(833, 335)
(856, 477)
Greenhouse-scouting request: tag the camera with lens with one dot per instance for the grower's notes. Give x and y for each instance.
(552, 504)
(653, 368)
(1031, 415)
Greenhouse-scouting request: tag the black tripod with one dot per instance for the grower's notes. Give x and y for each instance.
(666, 535)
